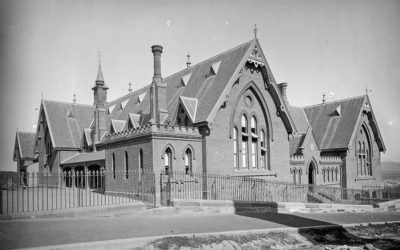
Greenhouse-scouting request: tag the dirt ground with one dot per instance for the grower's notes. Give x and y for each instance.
(382, 236)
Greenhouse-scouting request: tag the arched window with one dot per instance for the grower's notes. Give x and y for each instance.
(140, 165)
(323, 175)
(245, 151)
(244, 124)
(168, 161)
(359, 162)
(263, 149)
(235, 148)
(186, 121)
(179, 121)
(294, 176)
(188, 162)
(254, 138)
(113, 166)
(126, 165)
(363, 159)
(300, 172)
(327, 173)
(336, 173)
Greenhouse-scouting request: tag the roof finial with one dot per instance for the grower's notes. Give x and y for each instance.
(74, 99)
(188, 63)
(100, 77)
(130, 87)
(41, 95)
(255, 30)
(323, 98)
(367, 90)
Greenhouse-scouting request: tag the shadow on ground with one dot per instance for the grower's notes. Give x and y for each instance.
(324, 233)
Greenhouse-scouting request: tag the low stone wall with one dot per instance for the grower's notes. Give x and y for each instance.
(391, 206)
(230, 207)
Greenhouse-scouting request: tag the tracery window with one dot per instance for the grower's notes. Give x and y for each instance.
(294, 176)
(364, 155)
(263, 150)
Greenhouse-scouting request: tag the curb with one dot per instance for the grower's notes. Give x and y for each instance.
(142, 241)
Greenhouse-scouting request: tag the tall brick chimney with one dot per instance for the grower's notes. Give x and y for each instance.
(100, 112)
(283, 88)
(158, 92)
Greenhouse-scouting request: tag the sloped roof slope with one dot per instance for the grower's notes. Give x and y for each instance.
(201, 85)
(67, 122)
(333, 131)
(299, 118)
(26, 144)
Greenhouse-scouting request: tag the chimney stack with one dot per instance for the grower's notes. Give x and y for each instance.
(158, 92)
(283, 88)
(157, 50)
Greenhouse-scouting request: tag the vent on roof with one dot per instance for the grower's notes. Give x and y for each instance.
(69, 114)
(190, 105)
(141, 97)
(337, 111)
(185, 80)
(134, 120)
(110, 109)
(117, 125)
(214, 68)
(123, 104)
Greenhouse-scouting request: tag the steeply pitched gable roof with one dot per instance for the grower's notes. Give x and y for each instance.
(334, 131)
(299, 118)
(66, 122)
(26, 144)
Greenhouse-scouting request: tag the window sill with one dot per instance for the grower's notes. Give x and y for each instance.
(256, 172)
(364, 178)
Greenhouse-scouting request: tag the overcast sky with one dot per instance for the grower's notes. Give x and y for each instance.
(337, 47)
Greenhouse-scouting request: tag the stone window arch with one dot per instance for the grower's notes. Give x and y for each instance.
(300, 172)
(140, 163)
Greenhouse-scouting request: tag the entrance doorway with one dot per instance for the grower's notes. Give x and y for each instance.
(311, 176)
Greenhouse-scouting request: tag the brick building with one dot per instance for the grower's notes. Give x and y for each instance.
(226, 115)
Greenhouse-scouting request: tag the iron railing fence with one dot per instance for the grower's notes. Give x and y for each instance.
(183, 185)
(72, 189)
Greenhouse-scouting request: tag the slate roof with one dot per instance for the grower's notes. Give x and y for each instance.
(26, 144)
(295, 144)
(66, 122)
(85, 157)
(204, 84)
(299, 118)
(333, 131)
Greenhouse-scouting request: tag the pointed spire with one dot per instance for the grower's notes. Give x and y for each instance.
(100, 77)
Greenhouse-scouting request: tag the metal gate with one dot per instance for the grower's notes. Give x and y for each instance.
(146, 189)
(165, 189)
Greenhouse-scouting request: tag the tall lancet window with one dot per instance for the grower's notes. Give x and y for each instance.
(188, 162)
(168, 161)
(254, 137)
(245, 139)
(126, 165)
(113, 166)
(235, 149)
(263, 150)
